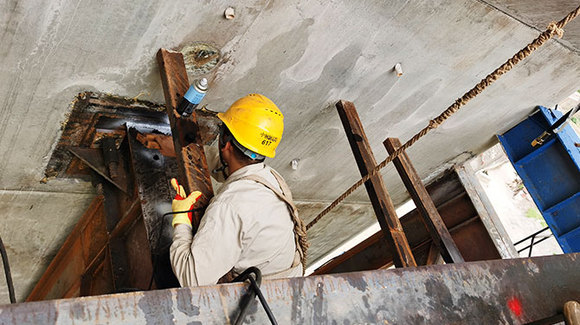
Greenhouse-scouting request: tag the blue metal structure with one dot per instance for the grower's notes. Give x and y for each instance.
(550, 172)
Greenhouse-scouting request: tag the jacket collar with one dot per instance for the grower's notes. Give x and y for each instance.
(246, 170)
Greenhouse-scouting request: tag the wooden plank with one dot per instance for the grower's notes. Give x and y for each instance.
(439, 233)
(486, 212)
(113, 213)
(380, 198)
(140, 269)
(97, 278)
(193, 170)
(369, 254)
(457, 211)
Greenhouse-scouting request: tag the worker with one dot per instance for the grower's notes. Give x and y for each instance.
(251, 221)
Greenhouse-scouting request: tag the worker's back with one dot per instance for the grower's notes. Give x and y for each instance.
(246, 224)
(266, 226)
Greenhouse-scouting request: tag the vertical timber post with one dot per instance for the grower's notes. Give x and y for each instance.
(193, 170)
(380, 198)
(439, 233)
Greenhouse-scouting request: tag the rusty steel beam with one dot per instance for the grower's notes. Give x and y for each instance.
(122, 243)
(62, 278)
(193, 170)
(515, 291)
(431, 218)
(378, 194)
(152, 171)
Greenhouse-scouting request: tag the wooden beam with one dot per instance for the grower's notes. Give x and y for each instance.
(193, 170)
(369, 254)
(439, 233)
(380, 198)
(457, 211)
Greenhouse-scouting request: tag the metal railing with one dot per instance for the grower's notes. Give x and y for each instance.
(533, 240)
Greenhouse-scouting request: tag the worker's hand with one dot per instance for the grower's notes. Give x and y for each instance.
(182, 202)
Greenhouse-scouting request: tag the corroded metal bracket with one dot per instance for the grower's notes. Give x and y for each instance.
(192, 164)
(516, 291)
(94, 159)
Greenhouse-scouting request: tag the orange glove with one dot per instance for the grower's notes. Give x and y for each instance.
(182, 202)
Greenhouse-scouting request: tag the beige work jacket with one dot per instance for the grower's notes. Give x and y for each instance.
(245, 224)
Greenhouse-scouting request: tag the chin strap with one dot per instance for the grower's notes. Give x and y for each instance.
(221, 169)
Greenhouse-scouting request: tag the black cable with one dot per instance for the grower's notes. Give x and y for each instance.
(155, 261)
(7, 273)
(251, 294)
(263, 300)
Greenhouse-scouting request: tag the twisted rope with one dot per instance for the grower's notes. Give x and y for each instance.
(552, 29)
(300, 231)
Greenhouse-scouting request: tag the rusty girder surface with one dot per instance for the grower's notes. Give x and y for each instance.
(513, 291)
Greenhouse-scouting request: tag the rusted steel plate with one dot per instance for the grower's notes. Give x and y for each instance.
(187, 140)
(152, 171)
(94, 159)
(152, 174)
(97, 115)
(62, 278)
(489, 292)
(93, 114)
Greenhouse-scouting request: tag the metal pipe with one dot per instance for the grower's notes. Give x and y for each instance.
(510, 291)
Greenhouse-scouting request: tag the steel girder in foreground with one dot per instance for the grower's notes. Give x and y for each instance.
(489, 292)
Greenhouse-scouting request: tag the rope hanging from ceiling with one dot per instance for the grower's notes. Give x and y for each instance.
(554, 28)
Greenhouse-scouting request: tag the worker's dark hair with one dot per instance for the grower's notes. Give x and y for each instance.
(226, 136)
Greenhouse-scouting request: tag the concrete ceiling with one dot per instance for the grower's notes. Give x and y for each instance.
(305, 55)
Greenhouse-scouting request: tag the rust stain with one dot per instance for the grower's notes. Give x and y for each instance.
(93, 116)
(163, 143)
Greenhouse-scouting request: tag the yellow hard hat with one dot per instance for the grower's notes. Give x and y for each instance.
(256, 123)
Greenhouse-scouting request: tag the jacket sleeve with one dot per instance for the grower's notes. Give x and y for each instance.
(214, 250)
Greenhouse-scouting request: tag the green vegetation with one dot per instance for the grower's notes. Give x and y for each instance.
(533, 213)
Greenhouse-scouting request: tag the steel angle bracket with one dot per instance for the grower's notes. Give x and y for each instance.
(95, 160)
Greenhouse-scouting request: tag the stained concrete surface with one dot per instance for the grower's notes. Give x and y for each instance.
(305, 55)
(34, 225)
